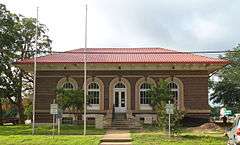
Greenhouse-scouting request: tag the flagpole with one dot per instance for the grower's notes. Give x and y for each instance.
(34, 77)
(85, 75)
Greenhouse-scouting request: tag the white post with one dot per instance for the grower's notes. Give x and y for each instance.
(59, 126)
(53, 120)
(34, 77)
(53, 124)
(85, 75)
(169, 122)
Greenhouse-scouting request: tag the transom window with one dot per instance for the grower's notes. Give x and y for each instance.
(175, 92)
(67, 86)
(93, 92)
(67, 83)
(119, 85)
(144, 95)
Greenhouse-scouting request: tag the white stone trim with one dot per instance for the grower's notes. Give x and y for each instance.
(180, 85)
(124, 66)
(93, 106)
(99, 106)
(145, 107)
(112, 90)
(64, 80)
(140, 106)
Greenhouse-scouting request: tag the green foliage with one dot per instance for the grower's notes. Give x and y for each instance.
(160, 95)
(17, 42)
(12, 112)
(28, 111)
(163, 118)
(227, 90)
(71, 100)
(215, 113)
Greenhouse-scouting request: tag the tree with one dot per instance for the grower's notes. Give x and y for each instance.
(226, 91)
(7, 38)
(17, 43)
(71, 100)
(160, 95)
(215, 112)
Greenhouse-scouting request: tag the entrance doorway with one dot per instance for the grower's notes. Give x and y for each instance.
(120, 98)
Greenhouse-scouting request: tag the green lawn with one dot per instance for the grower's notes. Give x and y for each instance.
(49, 140)
(21, 135)
(154, 137)
(72, 135)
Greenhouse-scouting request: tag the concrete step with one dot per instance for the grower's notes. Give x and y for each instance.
(116, 143)
(126, 128)
(120, 120)
(118, 124)
(123, 139)
(122, 123)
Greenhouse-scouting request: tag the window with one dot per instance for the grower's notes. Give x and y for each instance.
(67, 83)
(93, 92)
(67, 86)
(175, 92)
(120, 85)
(144, 95)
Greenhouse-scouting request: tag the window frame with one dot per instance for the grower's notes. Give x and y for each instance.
(144, 90)
(97, 90)
(176, 99)
(65, 80)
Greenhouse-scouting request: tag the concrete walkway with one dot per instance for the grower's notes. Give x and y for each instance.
(116, 137)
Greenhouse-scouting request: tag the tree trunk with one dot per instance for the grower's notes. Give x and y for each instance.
(1, 113)
(20, 111)
(20, 100)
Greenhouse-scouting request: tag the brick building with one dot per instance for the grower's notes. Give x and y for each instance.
(118, 78)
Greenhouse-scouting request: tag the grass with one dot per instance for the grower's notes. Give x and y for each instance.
(49, 140)
(47, 130)
(151, 136)
(21, 135)
(72, 135)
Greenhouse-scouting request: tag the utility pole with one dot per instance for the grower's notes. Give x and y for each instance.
(34, 76)
(85, 75)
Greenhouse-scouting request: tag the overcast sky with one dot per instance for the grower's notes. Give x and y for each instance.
(184, 25)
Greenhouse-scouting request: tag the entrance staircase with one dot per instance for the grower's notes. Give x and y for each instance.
(120, 122)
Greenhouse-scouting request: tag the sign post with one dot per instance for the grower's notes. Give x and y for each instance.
(58, 126)
(169, 110)
(53, 111)
(59, 117)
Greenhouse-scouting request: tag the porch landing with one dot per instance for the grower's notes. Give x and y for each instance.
(116, 137)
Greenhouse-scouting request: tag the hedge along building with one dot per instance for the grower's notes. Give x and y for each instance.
(119, 78)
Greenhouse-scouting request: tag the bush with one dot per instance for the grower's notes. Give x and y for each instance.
(163, 118)
(160, 95)
(28, 111)
(10, 113)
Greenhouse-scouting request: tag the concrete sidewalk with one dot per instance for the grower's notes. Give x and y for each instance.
(116, 137)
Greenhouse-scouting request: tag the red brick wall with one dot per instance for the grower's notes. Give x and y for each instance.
(195, 88)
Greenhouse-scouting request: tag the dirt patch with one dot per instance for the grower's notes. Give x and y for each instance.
(207, 127)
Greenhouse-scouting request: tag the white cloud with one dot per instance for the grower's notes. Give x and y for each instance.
(183, 25)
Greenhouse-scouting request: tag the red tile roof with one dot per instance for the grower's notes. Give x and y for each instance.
(125, 55)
